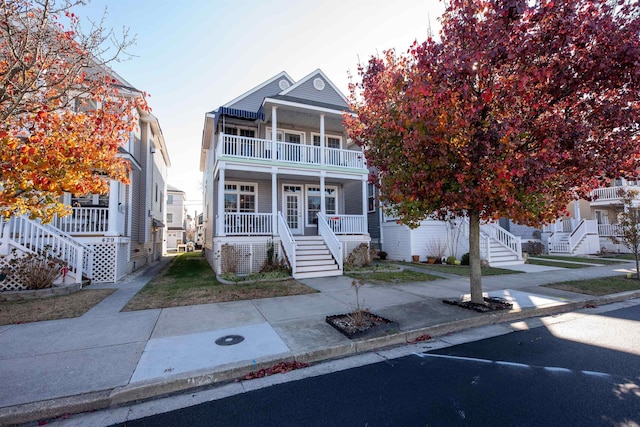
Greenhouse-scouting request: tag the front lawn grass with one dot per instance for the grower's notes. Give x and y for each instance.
(552, 263)
(51, 308)
(591, 260)
(189, 280)
(599, 286)
(393, 277)
(462, 270)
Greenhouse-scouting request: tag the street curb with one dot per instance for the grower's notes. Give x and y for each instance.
(145, 390)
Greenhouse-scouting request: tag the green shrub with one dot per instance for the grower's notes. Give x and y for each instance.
(465, 259)
(451, 260)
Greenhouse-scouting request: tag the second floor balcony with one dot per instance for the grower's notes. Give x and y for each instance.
(605, 196)
(240, 147)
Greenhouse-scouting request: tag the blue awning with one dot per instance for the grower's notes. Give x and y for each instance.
(240, 114)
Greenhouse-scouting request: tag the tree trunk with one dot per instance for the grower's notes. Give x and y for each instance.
(474, 257)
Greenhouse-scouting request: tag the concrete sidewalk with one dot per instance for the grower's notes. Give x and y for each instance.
(106, 358)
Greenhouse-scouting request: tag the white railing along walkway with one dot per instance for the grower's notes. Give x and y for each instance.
(266, 149)
(330, 239)
(288, 242)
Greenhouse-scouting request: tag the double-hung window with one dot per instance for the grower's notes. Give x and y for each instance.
(240, 197)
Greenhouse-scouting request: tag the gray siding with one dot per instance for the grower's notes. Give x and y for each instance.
(253, 101)
(307, 91)
(353, 198)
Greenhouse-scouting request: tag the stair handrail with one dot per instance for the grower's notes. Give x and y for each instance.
(288, 242)
(87, 262)
(330, 239)
(36, 236)
(510, 241)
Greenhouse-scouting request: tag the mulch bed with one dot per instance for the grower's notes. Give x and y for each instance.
(373, 325)
(490, 304)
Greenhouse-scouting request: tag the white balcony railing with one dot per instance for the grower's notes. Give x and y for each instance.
(609, 230)
(265, 149)
(93, 220)
(347, 224)
(253, 224)
(608, 194)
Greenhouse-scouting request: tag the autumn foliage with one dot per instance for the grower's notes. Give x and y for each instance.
(64, 113)
(517, 109)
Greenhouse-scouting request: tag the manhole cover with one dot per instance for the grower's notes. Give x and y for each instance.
(230, 340)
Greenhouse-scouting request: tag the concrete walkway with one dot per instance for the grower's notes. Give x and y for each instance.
(107, 358)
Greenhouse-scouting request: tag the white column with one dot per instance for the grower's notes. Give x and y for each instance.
(274, 131)
(365, 204)
(323, 207)
(220, 203)
(322, 139)
(274, 200)
(112, 224)
(576, 209)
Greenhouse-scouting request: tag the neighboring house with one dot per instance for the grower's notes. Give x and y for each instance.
(591, 224)
(176, 218)
(434, 238)
(278, 168)
(199, 231)
(106, 236)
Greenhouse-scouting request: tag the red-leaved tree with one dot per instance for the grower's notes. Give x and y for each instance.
(63, 113)
(519, 108)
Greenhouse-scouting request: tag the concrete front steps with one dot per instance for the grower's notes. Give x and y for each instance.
(501, 255)
(313, 258)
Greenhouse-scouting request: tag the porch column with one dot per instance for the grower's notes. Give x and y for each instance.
(322, 140)
(274, 131)
(365, 204)
(112, 224)
(274, 200)
(220, 204)
(576, 209)
(323, 207)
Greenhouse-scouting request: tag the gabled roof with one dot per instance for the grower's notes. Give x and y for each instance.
(252, 99)
(296, 92)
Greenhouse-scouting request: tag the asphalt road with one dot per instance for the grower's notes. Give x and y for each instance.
(582, 372)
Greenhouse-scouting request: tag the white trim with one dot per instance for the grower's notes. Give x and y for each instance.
(305, 106)
(260, 86)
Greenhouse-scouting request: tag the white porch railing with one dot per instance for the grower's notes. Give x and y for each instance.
(84, 221)
(288, 242)
(609, 230)
(32, 236)
(567, 242)
(347, 224)
(510, 241)
(241, 223)
(263, 149)
(330, 239)
(611, 193)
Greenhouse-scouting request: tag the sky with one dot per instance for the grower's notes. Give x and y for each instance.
(193, 56)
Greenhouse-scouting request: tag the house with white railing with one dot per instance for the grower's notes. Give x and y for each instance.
(110, 235)
(591, 224)
(279, 170)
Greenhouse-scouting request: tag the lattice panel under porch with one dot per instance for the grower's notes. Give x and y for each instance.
(10, 283)
(104, 262)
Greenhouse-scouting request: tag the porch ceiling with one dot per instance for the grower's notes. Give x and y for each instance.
(305, 119)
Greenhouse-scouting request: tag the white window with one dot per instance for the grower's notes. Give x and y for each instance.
(169, 218)
(287, 135)
(240, 131)
(371, 197)
(313, 203)
(331, 141)
(240, 197)
(169, 199)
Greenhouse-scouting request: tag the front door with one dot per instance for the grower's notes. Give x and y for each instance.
(292, 207)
